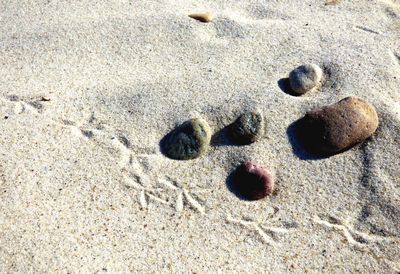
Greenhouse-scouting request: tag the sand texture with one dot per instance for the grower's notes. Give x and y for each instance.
(88, 89)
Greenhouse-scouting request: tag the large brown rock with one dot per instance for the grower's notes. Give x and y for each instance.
(337, 127)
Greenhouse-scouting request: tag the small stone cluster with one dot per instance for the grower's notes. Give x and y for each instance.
(328, 130)
(192, 139)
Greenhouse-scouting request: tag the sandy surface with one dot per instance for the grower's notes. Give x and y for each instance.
(84, 187)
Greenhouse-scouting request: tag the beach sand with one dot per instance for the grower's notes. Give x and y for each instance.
(89, 88)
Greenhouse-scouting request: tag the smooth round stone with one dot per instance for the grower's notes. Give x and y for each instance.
(189, 140)
(304, 78)
(253, 181)
(337, 127)
(248, 128)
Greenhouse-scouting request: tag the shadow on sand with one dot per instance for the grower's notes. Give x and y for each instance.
(284, 85)
(303, 138)
(223, 137)
(230, 184)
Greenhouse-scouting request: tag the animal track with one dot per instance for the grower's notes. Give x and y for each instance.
(107, 136)
(352, 236)
(361, 28)
(146, 194)
(395, 57)
(167, 192)
(185, 197)
(34, 105)
(266, 233)
(92, 129)
(164, 191)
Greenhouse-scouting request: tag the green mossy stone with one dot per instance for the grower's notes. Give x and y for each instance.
(189, 140)
(248, 128)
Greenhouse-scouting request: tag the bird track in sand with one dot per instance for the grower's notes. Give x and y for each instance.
(352, 236)
(368, 30)
(168, 192)
(358, 239)
(267, 234)
(34, 105)
(89, 129)
(179, 197)
(164, 191)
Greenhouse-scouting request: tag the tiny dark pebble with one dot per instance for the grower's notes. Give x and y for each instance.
(248, 128)
(189, 140)
(253, 181)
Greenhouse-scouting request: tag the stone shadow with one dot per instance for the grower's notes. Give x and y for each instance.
(303, 138)
(284, 85)
(223, 137)
(232, 187)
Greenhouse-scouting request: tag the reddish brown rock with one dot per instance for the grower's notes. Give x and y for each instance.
(253, 181)
(334, 128)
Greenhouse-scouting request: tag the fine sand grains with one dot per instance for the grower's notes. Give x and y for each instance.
(84, 187)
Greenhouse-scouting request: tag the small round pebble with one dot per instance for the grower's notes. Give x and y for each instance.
(205, 17)
(253, 181)
(189, 140)
(248, 128)
(339, 126)
(304, 78)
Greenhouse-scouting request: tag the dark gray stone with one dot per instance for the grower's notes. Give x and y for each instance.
(189, 140)
(248, 128)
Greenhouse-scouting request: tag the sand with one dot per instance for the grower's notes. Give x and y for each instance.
(84, 187)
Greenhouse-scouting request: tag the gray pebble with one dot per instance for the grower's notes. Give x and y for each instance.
(248, 128)
(304, 78)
